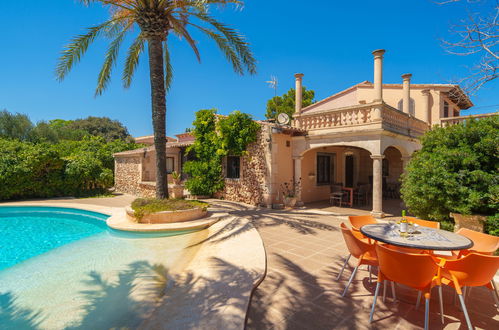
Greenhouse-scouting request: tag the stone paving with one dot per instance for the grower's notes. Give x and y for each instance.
(305, 250)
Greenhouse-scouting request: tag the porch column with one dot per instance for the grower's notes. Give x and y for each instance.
(377, 211)
(297, 177)
(426, 105)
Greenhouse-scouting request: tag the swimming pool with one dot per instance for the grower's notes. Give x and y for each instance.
(30, 231)
(63, 268)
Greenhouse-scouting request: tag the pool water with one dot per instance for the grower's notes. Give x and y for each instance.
(64, 269)
(30, 231)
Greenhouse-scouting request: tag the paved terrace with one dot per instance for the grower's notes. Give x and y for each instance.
(305, 250)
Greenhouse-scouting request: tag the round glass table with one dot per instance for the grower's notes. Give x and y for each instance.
(418, 237)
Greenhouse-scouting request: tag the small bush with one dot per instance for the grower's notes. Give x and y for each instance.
(144, 206)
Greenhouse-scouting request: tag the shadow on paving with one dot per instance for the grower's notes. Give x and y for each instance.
(298, 221)
(292, 298)
(183, 301)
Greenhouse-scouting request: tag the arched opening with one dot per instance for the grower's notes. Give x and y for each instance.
(325, 166)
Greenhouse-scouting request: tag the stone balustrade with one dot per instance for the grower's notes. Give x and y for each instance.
(362, 115)
(444, 122)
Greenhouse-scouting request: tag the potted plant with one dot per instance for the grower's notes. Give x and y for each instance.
(290, 191)
(177, 189)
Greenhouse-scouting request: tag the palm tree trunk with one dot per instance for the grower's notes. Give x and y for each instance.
(158, 97)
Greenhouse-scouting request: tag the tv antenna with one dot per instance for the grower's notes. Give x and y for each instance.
(273, 83)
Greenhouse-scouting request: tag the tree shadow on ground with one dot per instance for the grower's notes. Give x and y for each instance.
(146, 296)
(305, 223)
(15, 317)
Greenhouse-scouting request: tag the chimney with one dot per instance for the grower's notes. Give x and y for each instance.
(378, 74)
(406, 87)
(298, 92)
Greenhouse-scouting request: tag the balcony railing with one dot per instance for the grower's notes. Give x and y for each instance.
(456, 120)
(374, 115)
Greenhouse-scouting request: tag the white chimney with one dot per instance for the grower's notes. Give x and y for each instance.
(298, 92)
(378, 74)
(406, 90)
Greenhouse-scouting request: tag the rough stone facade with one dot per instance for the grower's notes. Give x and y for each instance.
(253, 185)
(128, 174)
(128, 177)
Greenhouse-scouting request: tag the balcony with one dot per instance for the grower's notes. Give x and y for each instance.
(372, 116)
(444, 122)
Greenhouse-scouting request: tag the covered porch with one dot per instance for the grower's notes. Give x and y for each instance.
(366, 169)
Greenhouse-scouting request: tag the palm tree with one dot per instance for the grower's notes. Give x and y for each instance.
(156, 20)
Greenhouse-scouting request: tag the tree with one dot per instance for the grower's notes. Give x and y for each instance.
(109, 129)
(15, 126)
(156, 20)
(455, 171)
(478, 35)
(286, 103)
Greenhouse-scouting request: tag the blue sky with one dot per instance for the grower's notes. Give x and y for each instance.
(329, 41)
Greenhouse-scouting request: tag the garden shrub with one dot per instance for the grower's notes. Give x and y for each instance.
(68, 168)
(455, 171)
(216, 137)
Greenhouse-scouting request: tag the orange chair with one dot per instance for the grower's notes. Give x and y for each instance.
(482, 243)
(360, 236)
(424, 223)
(360, 250)
(418, 271)
(472, 270)
(358, 221)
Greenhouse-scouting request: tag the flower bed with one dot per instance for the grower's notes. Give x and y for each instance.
(166, 211)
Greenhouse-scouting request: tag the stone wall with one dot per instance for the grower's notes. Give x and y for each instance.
(128, 177)
(128, 174)
(253, 185)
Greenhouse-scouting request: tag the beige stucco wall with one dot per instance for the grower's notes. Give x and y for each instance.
(348, 98)
(149, 164)
(282, 165)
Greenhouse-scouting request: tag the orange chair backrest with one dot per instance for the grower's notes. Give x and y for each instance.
(474, 269)
(482, 243)
(358, 221)
(425, 223)
(414, 270)
(355, 245)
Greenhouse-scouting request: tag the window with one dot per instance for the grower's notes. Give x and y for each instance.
(324, 169)
(170, 161)
(446, 109)
(233, 167)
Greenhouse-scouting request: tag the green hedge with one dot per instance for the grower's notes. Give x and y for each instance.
(68, 168)
(456, 170)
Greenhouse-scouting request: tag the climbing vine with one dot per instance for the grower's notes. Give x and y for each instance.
(216, 137)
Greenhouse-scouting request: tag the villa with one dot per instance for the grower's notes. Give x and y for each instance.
(360, 137)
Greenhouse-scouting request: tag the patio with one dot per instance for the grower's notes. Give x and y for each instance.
(305, 250)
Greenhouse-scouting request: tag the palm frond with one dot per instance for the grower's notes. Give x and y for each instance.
(235, 39)
(168, 67)
(110, 60)
(132, 60)
(179, 28)
(225, 47)
(75, 50)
